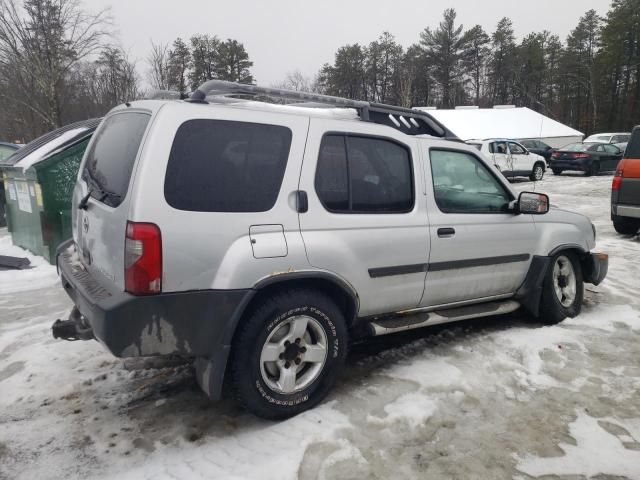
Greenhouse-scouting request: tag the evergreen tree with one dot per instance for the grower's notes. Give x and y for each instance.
(502, 63)
(475, 58)
(444, 48)
(233, 63)
(179, 65)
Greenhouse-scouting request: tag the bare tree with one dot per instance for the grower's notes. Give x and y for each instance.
(41, 41)
(158, 61)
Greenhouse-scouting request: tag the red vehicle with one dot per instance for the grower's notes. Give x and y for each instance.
(625, 189)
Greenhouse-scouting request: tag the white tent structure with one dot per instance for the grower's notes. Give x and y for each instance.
(505, 122)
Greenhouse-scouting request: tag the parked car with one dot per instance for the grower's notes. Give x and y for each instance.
(200, 231)
(7, 149)
(538, 147)
(511, 158)
(590, 158)
(619, 139)
(625, 189)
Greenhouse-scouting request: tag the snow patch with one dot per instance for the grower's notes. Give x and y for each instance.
(412, 408)
(597, 453)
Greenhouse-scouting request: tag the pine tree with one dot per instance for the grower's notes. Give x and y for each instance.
(444, 48)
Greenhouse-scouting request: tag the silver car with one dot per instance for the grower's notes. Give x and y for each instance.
(260, 239)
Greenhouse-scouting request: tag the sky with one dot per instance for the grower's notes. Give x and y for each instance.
(282, 36)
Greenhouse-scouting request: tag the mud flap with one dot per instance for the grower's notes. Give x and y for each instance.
(530, 291)
(210, 372)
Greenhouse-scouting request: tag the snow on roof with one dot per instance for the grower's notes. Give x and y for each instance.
(501, 123)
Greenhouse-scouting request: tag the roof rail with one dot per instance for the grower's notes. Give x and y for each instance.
(407, 120)
(165, 95)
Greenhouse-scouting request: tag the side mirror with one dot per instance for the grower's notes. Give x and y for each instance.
(532, 203)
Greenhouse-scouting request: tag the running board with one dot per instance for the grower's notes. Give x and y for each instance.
(409, 321)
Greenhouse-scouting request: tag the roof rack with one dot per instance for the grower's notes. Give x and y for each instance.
(407, 120)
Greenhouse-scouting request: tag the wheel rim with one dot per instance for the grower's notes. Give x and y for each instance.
(538, 173)
(564, 281)
(293, 355)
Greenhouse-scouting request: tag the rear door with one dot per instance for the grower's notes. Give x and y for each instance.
(479, 250)
(99, 230)
(366, 218)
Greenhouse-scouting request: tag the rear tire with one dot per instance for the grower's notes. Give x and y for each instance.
(287, 354)
(557, 171)
(538, 173)
(626, 225)
(562, 290)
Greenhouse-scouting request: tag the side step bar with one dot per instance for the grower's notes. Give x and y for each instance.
(418, 319)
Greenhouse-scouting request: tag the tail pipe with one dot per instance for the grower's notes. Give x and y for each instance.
(74, 328)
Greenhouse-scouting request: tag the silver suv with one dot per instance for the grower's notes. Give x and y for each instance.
(260, 239)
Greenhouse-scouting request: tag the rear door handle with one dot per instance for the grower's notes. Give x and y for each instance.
(447, 232)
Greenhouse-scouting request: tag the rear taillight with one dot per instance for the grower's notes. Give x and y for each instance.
(143, 259)
(617, 180)
(555, 155)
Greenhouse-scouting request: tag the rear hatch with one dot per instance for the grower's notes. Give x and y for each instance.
(100, 200)
(629, 169)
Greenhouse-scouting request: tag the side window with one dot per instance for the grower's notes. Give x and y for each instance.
(364, 175)
(226, 166)
(464, 184)
(600, 148)
(611, 149)
(516, 149)
(529, 143)
(500, 148)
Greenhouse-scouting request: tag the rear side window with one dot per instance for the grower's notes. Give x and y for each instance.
(224, 166)
(364, 175)
(112, 155)
(633, 147)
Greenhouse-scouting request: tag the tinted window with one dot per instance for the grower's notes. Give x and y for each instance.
(332, 181)
(464, 184)
(112, 154)
(222, 166)
(529, 143)
(364, 175)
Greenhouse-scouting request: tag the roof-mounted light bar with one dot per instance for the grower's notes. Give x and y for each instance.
(407, 120)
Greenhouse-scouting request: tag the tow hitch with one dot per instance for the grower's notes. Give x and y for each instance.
(74, 328)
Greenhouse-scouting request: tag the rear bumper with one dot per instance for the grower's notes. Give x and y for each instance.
(579, 165)
(629, 211)
(182, 323)
(595, 267)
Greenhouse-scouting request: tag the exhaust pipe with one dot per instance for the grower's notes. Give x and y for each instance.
(74, 328)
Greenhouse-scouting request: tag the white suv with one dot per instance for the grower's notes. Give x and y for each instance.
(512, 158)
(261, 239)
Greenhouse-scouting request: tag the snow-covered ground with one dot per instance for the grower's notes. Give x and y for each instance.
(497, 398)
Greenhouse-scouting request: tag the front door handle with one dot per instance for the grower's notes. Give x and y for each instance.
(447, 232)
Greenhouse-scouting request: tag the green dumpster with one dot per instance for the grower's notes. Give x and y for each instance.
(38, 189)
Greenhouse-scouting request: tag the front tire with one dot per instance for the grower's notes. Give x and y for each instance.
(538, 173)
(557, 171)
(562, 290)
(287, 355)
(625, 225)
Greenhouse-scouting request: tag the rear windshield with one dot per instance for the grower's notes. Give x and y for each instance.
(577, 147)
(599, 138)
(224, 166)
(112, 154)
(633, 147)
